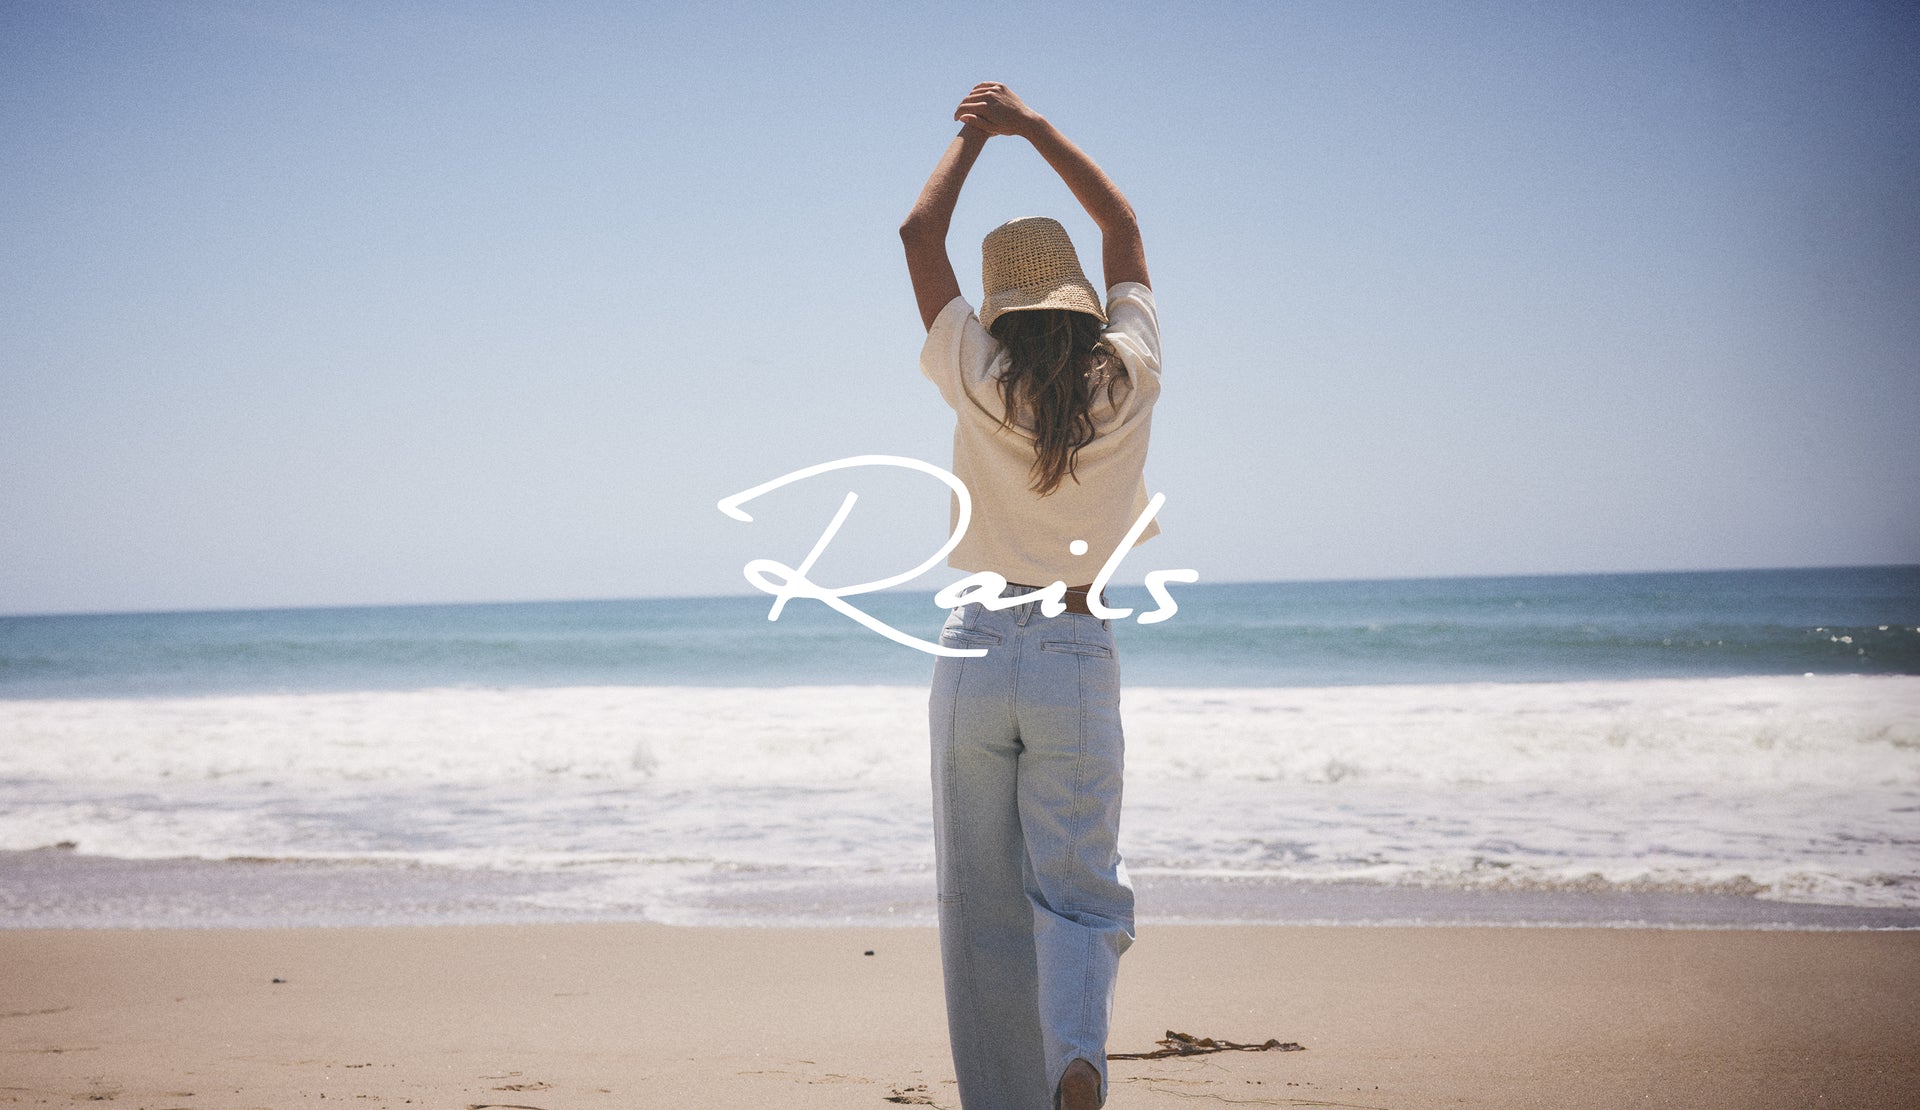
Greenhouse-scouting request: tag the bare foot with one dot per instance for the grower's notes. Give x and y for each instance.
(1080, 1087)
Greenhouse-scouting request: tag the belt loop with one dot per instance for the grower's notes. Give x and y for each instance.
(1025, 612)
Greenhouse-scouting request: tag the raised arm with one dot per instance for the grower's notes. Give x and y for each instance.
(924, 232)
(994, 109)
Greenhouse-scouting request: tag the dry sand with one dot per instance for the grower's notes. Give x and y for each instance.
(564, 1016)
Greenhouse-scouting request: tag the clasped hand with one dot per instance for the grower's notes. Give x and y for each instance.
(993, 108)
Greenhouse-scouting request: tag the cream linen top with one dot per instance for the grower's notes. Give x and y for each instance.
(1015, 532)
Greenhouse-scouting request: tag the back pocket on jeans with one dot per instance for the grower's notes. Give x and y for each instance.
(971, 637)
(1074, 647)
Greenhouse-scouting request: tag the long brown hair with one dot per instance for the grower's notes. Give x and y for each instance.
(1056, 364)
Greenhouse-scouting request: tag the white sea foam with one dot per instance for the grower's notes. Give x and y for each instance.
(1831, 731)
(676, 803)
(1835, 731)
(600, 734)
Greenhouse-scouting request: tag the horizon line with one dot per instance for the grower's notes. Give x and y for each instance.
(748, 595)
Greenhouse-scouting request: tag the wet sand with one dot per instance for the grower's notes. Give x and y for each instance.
(629, 1015)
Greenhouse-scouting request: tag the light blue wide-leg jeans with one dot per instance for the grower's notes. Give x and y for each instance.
(1035, 907)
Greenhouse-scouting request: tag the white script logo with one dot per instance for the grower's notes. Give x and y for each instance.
(785, 582)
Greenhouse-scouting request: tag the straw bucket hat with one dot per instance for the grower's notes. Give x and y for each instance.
(1029, 263)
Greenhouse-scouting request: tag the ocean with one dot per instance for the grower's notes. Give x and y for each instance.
(1677, 749)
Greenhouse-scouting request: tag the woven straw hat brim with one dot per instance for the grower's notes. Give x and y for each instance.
(1029, 263)
(1073, 297)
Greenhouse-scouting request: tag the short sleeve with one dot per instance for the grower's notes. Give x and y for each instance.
(959, 353)
(1133, 329)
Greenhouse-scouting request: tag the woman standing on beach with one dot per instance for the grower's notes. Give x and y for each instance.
(1053, 415)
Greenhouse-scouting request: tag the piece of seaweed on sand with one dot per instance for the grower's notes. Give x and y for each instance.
(1186, 1044)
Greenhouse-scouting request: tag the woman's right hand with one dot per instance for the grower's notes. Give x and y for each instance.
(993, 108)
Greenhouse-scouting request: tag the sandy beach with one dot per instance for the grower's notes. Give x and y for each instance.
(617, 1015)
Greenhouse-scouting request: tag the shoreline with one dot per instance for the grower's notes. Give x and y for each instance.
(60, 889)
(552, 1016)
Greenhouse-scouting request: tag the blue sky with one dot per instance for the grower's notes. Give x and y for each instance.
(313, 304)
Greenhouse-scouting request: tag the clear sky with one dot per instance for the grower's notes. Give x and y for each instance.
(309, 304)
